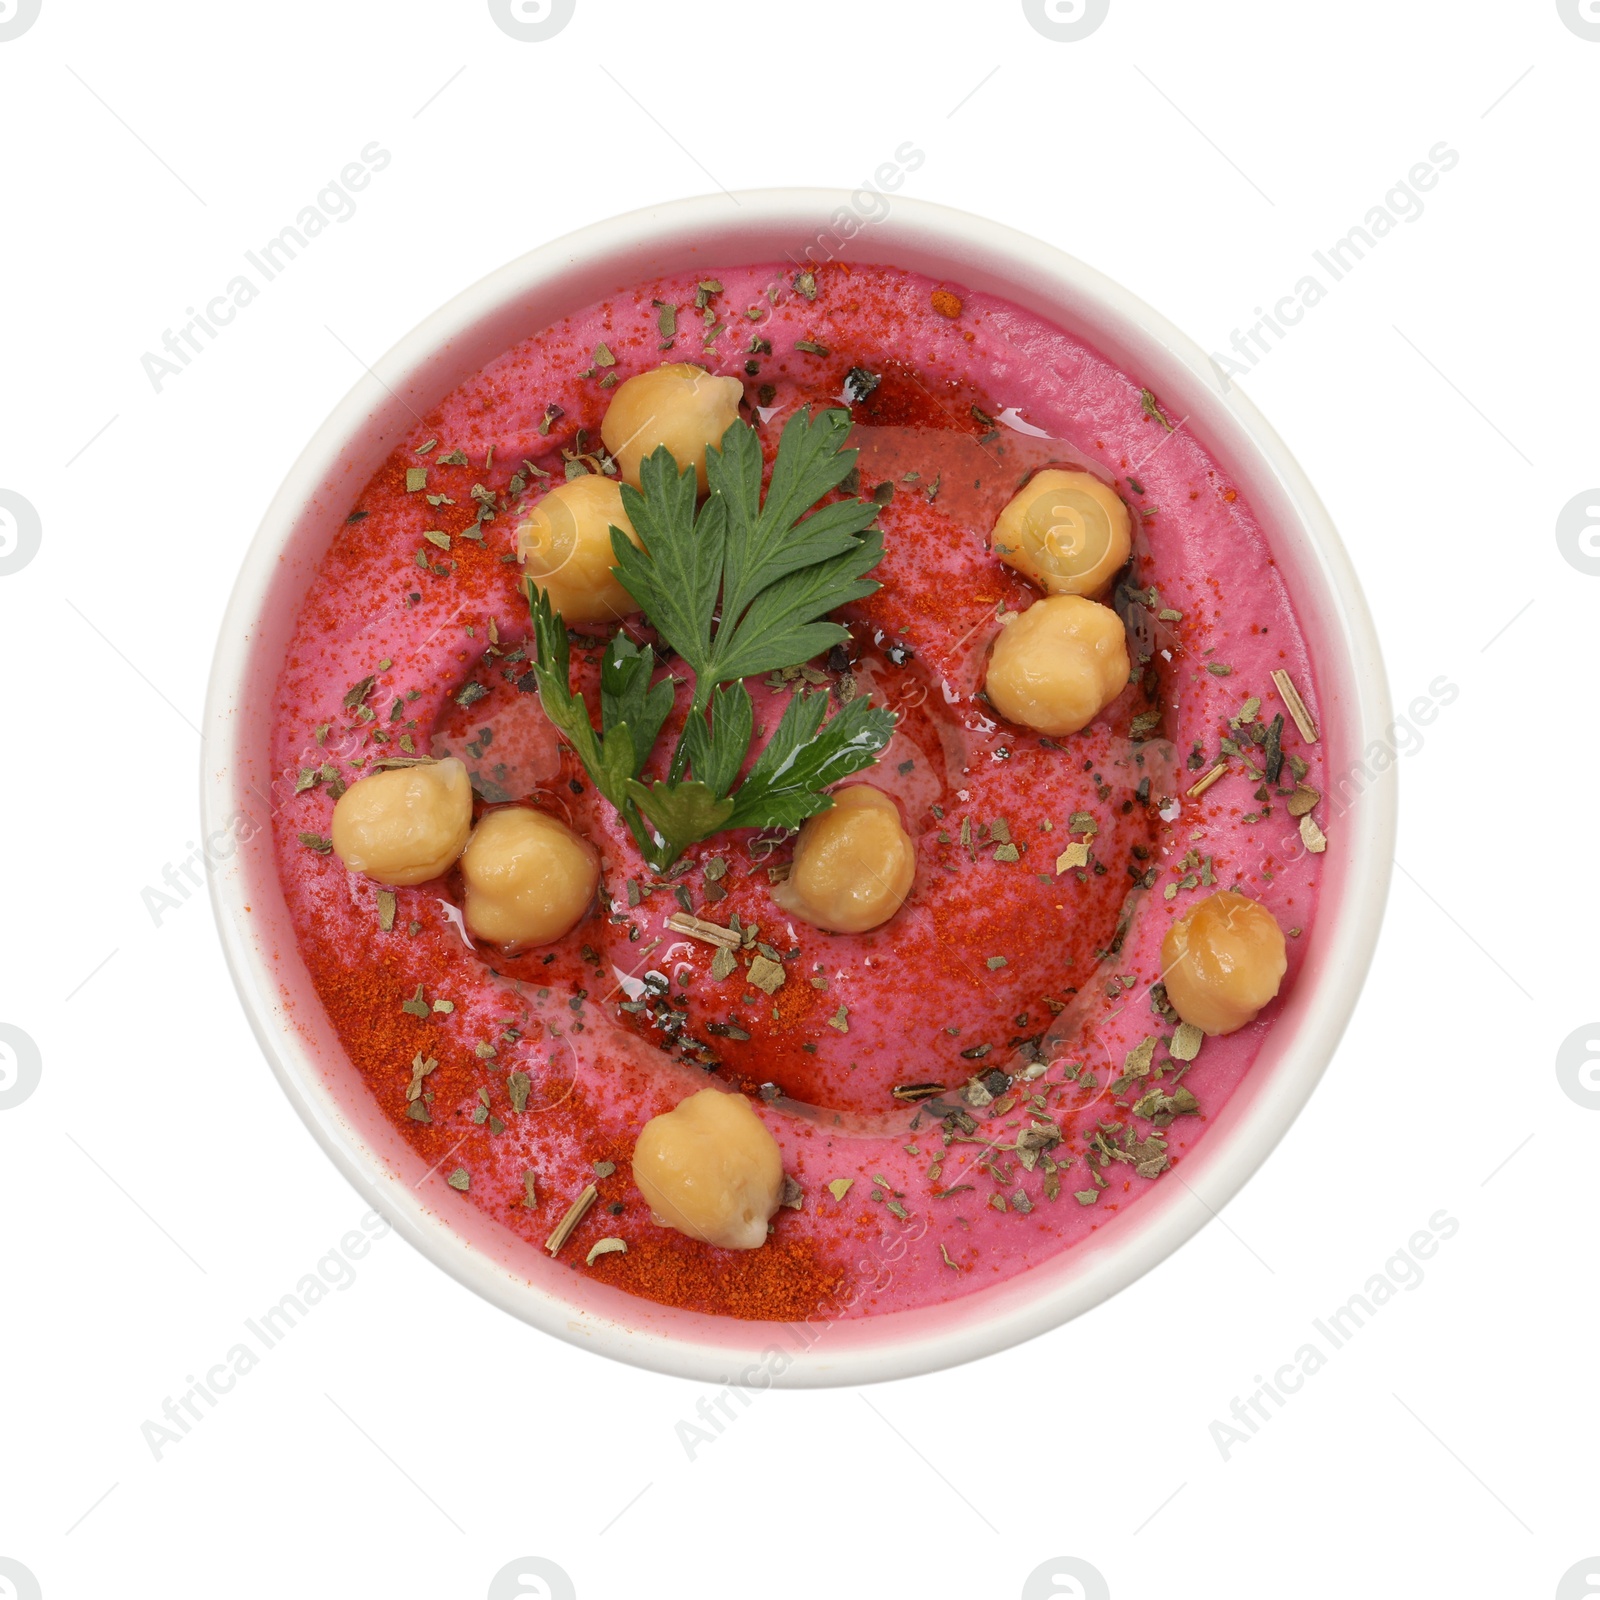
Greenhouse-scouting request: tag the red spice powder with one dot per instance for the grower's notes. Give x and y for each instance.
(783, 1281)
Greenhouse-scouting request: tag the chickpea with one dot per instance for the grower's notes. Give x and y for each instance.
(1222, 961)
(565, 549)
(676, 405)
(529, 878)
(1058, 665)
(710, 1169)
(853, 864)
(1067, 531)
(405, 825)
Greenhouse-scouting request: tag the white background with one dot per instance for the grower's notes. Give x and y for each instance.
(407, 1439)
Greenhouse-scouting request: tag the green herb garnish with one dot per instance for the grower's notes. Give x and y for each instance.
(1151, 407)
(738, 588)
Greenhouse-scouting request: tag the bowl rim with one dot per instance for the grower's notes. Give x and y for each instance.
(1347, 933)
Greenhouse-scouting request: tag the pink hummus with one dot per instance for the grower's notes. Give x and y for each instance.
(1012, 1001)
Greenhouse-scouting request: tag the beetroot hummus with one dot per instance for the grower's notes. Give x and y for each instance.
(995, 1071)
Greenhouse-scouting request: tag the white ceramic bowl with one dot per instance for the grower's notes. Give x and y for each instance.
(238, 785)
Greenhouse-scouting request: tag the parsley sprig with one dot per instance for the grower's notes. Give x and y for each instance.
(743, 586)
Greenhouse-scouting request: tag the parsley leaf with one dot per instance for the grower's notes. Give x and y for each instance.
(776, 571)
(631, 710)
(736, 588)
(783, 786)
(716, 749)
(682, 814)
(677, 583)
(628, 699)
